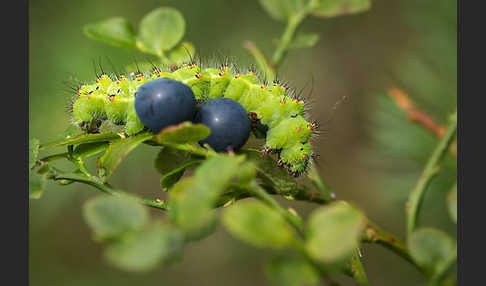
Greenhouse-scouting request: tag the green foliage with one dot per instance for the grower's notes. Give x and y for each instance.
(159, 33)
(172, 163)
(183, 133)
(329, 240)
(110, 217)
(333, 8)
(291, 271)
(452, 202)
(432, 249)
(160, 30)
(282, 10)
(115, 31)
(334, 232)
(144, 250)
(258, 225)
(192, 199)
(117, 151)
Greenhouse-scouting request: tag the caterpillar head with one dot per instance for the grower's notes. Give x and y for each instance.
(296, 158)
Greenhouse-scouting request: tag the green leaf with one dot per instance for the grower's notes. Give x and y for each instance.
(334, 232)
(115, 31)
(281, 10)
(276, 178)
(258, 225)
(111, 217)
(37, 183)
(183, 53)
(291, 271)
(192, 199)
(160, 30)
(185, 132)
(117, 151)
(82, 139)
(144, 250)
(89, 149)
(171, 163)
(304, 40)
(432, 249)
(333, 8)
(33, 151)
(452, 202)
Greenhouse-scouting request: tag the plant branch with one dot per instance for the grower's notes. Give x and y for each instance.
(262, 63)
(414, 114)
(288, 36)
(430, 170)
(259, 193)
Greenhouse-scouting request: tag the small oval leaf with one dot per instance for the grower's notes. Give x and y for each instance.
(161, 30)
(291, 271)
(281, 10)
(334, 232)
(115, 31)
(258, 225)
(144, 250)
(432, 248)
(110, 217)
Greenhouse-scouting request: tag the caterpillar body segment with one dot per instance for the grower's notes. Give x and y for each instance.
(288, 132)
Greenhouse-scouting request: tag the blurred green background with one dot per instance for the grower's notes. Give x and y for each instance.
(369, 154)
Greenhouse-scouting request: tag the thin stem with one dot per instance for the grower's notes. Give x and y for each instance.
(288, 36)
(262, 195)
(159, 204)
(430, 170)
(55, 157)
(262, 63)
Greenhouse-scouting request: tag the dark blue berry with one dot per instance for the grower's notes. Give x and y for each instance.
(163, 102)
(228, 121)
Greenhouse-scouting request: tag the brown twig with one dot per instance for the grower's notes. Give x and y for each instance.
(414, 114)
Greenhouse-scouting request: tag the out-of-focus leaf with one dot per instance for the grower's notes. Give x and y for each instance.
(111, 217)
(452, 202)
(185, 132)
(144, 250)
(291, 271)
(333, 8)
(160, 30)
(432, 248)
(117, 151)
(258, 225)
(89, 149)
(33, 151)
(303, 40)
(115, 31)
(183, 53)
(277, 178)
(334, 232)
(140, 67)
(37, 183)
(82, 139)
(171, 163)
(282, 10)
(192, 199)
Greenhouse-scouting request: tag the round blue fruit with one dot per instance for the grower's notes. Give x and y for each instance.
(163, 102)
(228, 121)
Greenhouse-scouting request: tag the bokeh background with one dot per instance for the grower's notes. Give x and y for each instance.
(369, 154)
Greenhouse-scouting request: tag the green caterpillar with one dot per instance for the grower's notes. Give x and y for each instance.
(271, 106)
